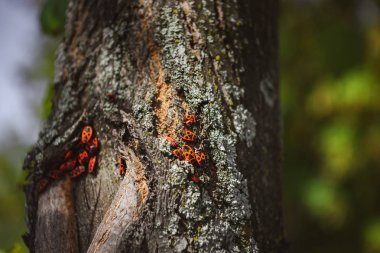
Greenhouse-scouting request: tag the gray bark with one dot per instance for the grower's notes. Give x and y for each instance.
(132, 69)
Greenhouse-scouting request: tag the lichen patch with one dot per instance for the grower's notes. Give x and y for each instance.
(267, 89)
(245, 125)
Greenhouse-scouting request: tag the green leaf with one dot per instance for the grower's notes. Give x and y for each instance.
(52, 17)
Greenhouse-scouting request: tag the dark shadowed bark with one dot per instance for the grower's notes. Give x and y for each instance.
(132, 69)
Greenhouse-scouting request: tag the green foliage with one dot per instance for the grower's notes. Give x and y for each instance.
(52, 17)
(371, 236)
(47, 103)
(18, 248)
(46, 69)
(330, 83)
(52, 20)
(325, 203)
(12, 207)
(333, 56)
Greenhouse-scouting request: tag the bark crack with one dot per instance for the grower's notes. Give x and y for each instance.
(125, 208)
(191, 26)
(165, 93)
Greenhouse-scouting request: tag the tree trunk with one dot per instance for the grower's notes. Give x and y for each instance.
(132, 70)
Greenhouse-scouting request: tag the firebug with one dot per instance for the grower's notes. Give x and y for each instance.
(178, 153)
(92, 147)
(188, 153)
(200, 157)
(173, 143)
(188, 135)
(111, 97)
(68, 154)
(56, 174)
(77, 171)
(190, 119)
(42, 183)
(83, 157)
(86, 134)
(68, 165)
(122, 166)
(194, 178)
(91, 164)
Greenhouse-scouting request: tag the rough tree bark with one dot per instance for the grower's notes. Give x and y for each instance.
(132, 69)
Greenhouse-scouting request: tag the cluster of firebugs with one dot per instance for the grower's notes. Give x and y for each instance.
(76, 160)
(194, 156)
(84, 154)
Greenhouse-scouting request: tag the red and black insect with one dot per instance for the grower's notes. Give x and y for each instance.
(190, 119)
(83, 157)
(173, 143)
(69, 154)
(188, 135)
(56, 174)
(92, 146)
(80, 157)
(91, 164)
(68, 165)
(86, 134)
(188, 153)
(111, 97)
(178, 153)
(195, 178)
(200, 157)
(41, 184)
(122, 166)
(77, 171)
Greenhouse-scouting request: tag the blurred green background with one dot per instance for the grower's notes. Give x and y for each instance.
(330, 80)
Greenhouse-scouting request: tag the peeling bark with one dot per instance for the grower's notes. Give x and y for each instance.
(132, 69)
